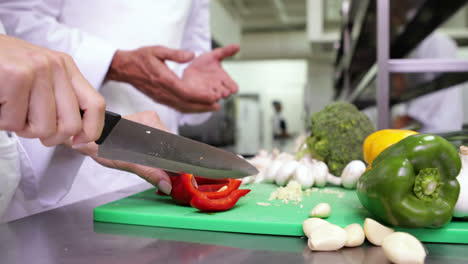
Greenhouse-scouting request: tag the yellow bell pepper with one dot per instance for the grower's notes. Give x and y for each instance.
(382, 139)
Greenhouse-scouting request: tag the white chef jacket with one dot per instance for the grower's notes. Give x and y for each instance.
(440, 111)
(91, 31)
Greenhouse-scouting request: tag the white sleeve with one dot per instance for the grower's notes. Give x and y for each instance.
(38, 22)
(197, 38)
(10, 170)
(197, 34)
(442, 110)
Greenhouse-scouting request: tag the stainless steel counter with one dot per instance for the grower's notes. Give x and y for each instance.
(69, 235)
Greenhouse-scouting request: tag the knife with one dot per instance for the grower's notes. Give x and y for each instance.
(128, 141)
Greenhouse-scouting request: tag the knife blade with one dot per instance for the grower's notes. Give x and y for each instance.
(129, 141)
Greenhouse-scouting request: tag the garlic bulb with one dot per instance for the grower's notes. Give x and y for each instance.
(351, 173)
(271, 172)
(320, 171)
(461, 208)
(332, 179)
(304, 175)
(286, 172)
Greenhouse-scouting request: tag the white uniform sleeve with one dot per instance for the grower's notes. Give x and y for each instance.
(197, 38)
(197, 34)
(442, 110)
(38, 22)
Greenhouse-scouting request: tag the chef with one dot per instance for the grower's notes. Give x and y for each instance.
(441, 111)
(127, 50)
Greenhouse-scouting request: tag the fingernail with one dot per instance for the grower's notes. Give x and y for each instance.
(165, 187)
(79, 145)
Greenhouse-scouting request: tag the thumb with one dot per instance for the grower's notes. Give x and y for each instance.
(156, 177)
(165, 53)
(226, 51)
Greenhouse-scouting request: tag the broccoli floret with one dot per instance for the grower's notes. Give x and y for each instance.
(338, 132)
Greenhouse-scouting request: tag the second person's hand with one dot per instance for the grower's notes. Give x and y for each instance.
(146, 70)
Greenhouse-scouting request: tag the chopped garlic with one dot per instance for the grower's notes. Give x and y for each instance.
(340, 194)
(263, 204)
(292, 192)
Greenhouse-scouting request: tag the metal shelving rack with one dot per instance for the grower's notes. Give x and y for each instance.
(388, 56)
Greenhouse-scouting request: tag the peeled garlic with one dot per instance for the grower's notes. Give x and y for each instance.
(311, 223)
(327, 237)
(375, 231)
(321, 210)
(401, 247)
(351, 173)
(355, 235)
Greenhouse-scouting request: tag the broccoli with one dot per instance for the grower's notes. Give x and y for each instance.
(338, 132)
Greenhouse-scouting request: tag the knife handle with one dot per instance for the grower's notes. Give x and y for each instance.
(111, 119)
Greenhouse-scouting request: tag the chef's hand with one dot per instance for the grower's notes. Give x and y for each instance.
(145, 69)
(42, 93)
(206, 71)
(157, 177)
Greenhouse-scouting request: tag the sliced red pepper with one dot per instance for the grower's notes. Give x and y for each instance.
(232, 186)
(211, 187)
(183, 189)
(203, 203)
(203, 181)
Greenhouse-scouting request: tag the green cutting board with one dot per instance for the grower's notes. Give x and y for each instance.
(147, 208)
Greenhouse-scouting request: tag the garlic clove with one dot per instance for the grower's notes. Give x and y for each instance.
(320, 172)
(273, 170)
(327, 237)
(355, 234)
(311, 223)
(321, 210)
(351, 173)
(401, 247)
(286, 172)
(304, 176)
(376, 232)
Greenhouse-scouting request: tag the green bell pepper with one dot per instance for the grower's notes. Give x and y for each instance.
(413, 183)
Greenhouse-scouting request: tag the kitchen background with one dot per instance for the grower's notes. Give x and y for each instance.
(288, 52)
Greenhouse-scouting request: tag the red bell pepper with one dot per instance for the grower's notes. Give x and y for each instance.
(203, 203)
(183, 189)
(211, 187)
(203, 181)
